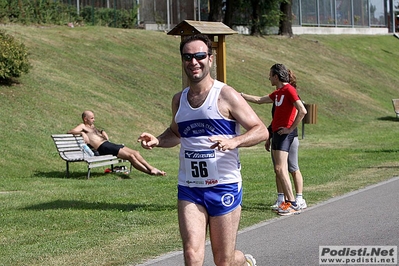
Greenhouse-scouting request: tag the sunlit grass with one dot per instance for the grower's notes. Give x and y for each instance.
(128, 77)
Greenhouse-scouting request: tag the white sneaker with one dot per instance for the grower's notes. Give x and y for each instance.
(302, 203)
(250, 260)
(275, 206)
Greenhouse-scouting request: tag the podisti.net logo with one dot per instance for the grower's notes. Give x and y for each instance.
(358, 255)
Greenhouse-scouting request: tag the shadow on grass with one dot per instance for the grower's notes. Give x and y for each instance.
(76, 175)
(83, 205)
(389, 118)
(382, 167)
(8, 82)
(382, 151)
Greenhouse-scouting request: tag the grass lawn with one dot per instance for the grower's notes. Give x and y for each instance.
(128, 78)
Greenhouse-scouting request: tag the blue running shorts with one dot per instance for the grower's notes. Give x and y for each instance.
(217, 200)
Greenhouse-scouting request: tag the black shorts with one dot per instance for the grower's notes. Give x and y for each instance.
(109, 148)
(282, 142)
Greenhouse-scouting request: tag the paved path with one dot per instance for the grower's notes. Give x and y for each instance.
(369, 216)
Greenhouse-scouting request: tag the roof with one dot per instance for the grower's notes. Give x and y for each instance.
(190, 27)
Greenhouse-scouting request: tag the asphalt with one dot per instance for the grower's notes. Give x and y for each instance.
(366, 217)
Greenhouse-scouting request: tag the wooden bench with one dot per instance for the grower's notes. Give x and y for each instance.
(395, 103)
(68, 146)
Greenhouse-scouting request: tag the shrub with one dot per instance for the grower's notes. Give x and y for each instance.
(110, 17)
(37, 12)
(13, 57)
(62, 12)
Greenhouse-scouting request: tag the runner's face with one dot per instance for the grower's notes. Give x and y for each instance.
(197, 70)
(273, 79)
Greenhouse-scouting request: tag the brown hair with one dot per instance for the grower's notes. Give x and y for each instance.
(292, 78)
(197, 37)
(281, 71)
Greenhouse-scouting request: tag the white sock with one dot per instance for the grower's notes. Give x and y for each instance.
(280, 197)
(298, 196)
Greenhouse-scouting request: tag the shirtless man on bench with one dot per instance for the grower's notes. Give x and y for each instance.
(98, 139)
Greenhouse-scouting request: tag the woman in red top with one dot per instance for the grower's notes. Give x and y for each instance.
(289, 112)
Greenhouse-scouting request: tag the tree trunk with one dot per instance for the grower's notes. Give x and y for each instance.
(255, 20)
(285, 27)
(228, 13)
(215, 12)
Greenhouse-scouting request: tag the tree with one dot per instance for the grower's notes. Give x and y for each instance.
(228, 12)
(215, 11)
(255, 18)
(285, 27)
(259, 15)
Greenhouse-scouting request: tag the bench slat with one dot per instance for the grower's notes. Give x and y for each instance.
(111, 162)
(69, 150)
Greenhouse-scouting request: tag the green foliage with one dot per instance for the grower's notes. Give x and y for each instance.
(262, 16)
(271, 16)
(110, 17)
(13, 57)
(59, 13)
(36, 12)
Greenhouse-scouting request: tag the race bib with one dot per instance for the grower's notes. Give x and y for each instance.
(201, 168)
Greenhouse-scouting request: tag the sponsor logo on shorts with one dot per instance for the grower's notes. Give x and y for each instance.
(227, 199)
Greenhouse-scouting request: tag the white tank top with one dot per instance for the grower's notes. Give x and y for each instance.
(201, 166)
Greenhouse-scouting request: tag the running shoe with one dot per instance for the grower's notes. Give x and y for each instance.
(288, 209)
(281, 206)
(277, 204)
(250, 260)
(302, 203)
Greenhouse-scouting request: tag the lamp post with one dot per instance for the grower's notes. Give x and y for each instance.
(168, 14)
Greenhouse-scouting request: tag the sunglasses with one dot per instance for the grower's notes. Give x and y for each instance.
(197, 56)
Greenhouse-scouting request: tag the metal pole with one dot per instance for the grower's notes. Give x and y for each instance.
(368, 9)
(77, 7)
(199, 10)
(353, 15)
(300, 12)
(392, 15)
(195, 13)
(335, 13)
(171, 12)
(138, 12)
(168, 14)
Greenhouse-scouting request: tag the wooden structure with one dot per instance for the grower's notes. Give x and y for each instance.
(68, 146)
(310, 117)
(395, 103)
(217, 32)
